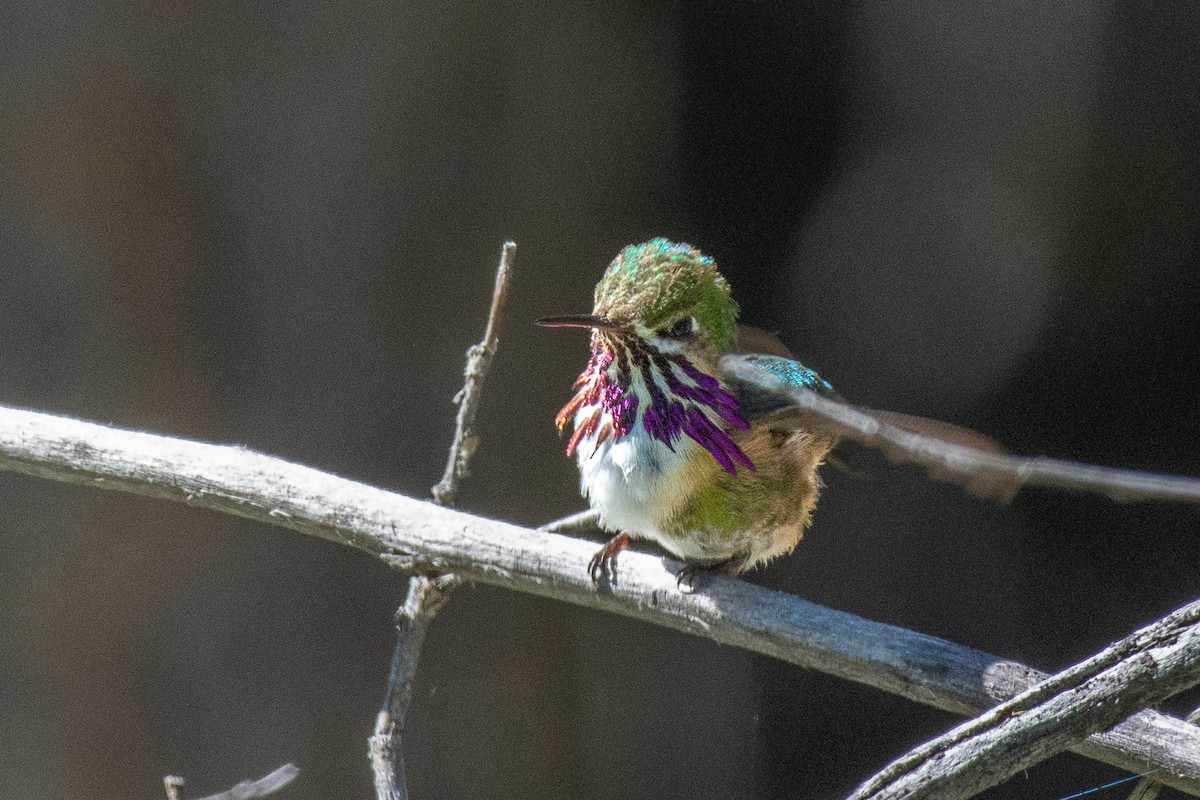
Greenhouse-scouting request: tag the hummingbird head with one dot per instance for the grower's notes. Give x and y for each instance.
(661, 320)
(670, 296)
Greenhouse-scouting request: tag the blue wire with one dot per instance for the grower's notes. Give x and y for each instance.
(1110, 785)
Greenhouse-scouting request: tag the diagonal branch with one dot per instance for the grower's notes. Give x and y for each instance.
(981, 472)
(412, 534)
(1144, 668)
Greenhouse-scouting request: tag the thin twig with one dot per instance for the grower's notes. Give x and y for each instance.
(246, 790)
(479, 360)
(583, 522)
(420, 535)
(1149, 787)
(425, 596)
(982, 472)
(1144, 668)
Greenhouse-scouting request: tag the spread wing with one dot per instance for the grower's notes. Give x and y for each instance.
(782, 392)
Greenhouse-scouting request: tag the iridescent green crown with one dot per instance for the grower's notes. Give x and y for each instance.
(658, 280)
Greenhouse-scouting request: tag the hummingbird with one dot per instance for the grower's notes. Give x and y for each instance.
(674, 449)
(668, 450)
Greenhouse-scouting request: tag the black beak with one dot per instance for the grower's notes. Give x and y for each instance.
(577, 321)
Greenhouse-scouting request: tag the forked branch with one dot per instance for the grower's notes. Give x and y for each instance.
(1145, 668)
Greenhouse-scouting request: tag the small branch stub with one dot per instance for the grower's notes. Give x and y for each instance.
(582, 523)
(246, 790)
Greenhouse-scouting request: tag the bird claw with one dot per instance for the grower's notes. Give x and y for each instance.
(689, 572)
(604, 563)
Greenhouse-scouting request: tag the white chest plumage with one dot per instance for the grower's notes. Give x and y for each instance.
(632, 480)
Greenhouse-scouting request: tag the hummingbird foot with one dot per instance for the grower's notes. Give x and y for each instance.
(688, 574)
(604, 563)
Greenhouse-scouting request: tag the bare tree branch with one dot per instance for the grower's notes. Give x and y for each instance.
(1144, 668)
(425, 597)
(246, 790)
(982, 472)
(1148, 787)
(427, 594)
(479, 360)
(412, 534)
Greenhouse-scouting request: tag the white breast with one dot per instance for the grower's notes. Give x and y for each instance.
(629, 481)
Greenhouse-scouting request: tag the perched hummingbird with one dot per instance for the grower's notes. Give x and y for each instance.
(667, 450)
(672, 449)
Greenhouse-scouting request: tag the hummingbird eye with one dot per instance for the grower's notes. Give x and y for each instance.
(681, 329)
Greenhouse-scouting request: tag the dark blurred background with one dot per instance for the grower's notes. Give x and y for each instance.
(278, 227)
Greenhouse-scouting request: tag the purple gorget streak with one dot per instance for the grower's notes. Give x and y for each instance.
(607, 387)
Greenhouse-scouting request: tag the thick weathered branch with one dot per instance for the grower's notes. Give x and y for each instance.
(1142, 669)
(414, 534)
(1148, 787)
(981, 471)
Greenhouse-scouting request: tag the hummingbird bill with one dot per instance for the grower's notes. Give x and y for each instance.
(671, 447)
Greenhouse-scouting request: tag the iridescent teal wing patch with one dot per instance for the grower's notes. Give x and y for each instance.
(793, 373)
(756, 401)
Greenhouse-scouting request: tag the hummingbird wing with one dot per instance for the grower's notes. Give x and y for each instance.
(757, 400)
(763, 383)
(937, 429)
(752, 339)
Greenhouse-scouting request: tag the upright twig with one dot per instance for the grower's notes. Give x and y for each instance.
(246, 790)
(479, 360)
(427, 594)
(1142, 669)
